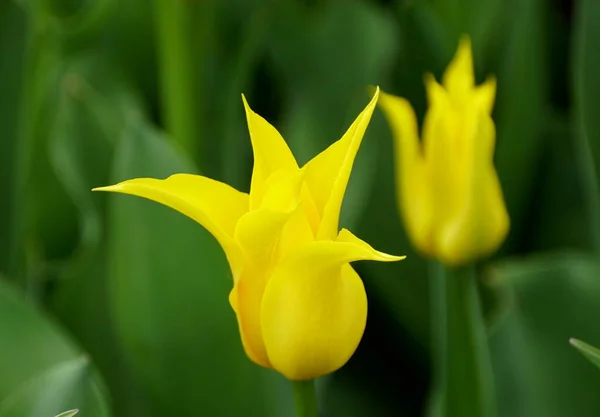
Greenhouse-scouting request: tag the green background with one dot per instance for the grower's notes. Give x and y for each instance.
(118, 306)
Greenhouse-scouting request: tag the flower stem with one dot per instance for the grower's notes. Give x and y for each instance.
(305, 398)
(463, 384)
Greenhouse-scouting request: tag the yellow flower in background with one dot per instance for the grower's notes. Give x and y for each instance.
(448, 190)
(300, 307)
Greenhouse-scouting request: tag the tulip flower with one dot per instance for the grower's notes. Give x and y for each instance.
(448, 190)
(301, 308)
(451, 203)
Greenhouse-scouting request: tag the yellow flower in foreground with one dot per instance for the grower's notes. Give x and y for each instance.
(301, 308)
(448, 190)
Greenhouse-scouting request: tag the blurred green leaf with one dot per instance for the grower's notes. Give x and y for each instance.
(233, 149)
(169, 286)
(424, 48)
(90, 113)
(472, 17)
(66, 384)
(69, 413)
(41, 213)
(589, 351)
(586, 84)
(565, 214)
(129, 40)
(42, 372)
(12, 44)
(550, 297)
(522, 91)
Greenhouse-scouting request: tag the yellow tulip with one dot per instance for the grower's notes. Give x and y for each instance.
(448, 190)
(300, 307)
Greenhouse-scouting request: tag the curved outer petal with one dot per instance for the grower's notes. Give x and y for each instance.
(314, 307)
(271, 153)
(257, 233)
(328, 173)
(411, 180)
(263, 235)
(213, 204)
(482, 221)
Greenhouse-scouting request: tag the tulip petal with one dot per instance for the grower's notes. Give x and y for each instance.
(410, 169)
(346, 236)
(459, 77)
(213, 204)
(328, 173)
(286, 193)
(314, 308)
(485, 95)
(483, 221)
(282, 190)
(271, 153)
(257, 233)
(447, 134)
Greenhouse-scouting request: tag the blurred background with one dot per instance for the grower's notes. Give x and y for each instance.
(118, 306)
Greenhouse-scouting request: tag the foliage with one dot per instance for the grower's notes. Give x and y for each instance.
(117, 306)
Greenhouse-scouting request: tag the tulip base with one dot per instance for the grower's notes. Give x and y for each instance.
(305, 398)
(463, 384)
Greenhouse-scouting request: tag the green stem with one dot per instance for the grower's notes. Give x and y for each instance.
(305, 398)
(179, 90)
(462, 375)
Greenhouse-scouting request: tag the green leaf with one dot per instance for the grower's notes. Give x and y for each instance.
(43, 373)
(64, 385)
(566, 212)
(69, 413)
(548, 298)
(12, 42)
(586, 85)
(589, 351)
(169, 283)
(472, 17)
(90, 113)
(520, 106)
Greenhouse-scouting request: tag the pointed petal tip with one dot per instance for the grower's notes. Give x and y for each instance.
(464, 42)
(246, 105)
(492, 79)
(385, 257)
(432, 85)
(108, 188)
(374, 91)
(429, 78)
(347, 236)
(464, 51)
